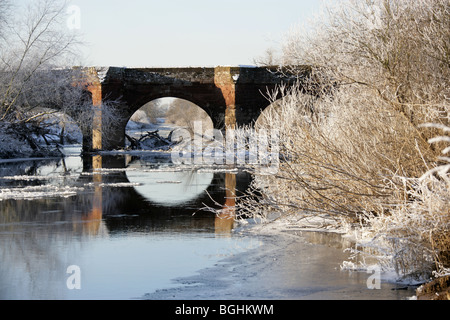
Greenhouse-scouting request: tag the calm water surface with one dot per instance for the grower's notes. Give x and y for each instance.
(131, 225)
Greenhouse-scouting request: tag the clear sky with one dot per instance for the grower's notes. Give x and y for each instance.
(151, 33)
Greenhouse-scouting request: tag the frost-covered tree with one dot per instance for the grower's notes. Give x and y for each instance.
(33, 42)
(4, 14)
(37, 52)
(398, 49)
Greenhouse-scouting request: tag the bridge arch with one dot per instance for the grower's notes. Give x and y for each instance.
(231, 96)
(175, 112)
(131, 103)
(116, 138)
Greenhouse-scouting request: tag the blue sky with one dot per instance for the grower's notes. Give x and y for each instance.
(149, 33)
(185, 33)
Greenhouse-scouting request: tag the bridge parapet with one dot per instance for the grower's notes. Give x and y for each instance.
(244, 75)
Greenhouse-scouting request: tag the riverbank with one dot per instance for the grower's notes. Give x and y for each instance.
(291, 264)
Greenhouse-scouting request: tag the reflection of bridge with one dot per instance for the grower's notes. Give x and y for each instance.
(230, 95)
(143, 214)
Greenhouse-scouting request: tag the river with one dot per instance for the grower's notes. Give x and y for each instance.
(135, 227)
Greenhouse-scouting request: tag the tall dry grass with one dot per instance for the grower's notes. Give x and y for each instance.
(415, 235)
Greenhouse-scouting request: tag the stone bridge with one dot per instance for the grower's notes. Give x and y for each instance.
(231, 96)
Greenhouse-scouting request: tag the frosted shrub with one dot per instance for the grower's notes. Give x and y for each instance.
(415, 237)
(352, 141)
(339, 151)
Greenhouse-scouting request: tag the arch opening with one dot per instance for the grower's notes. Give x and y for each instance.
(152, 126)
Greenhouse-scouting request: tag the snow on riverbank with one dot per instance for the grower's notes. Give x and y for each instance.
(323, 229)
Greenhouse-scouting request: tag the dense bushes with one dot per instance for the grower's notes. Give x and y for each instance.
(359, 149)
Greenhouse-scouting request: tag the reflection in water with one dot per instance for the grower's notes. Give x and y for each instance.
(170, 189)
(113, 214)
(127, 242)
(92, 221)
(224, 221)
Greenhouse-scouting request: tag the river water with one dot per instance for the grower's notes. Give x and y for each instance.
(134, 227)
